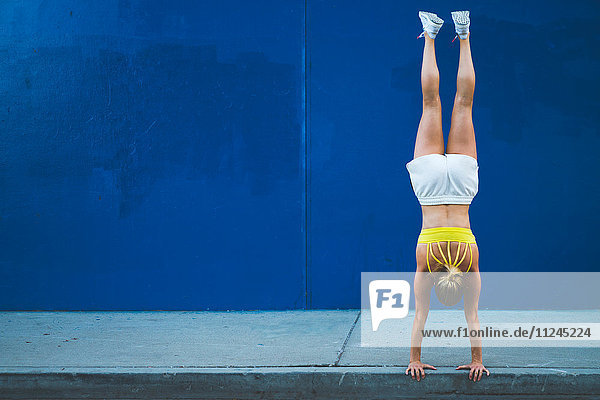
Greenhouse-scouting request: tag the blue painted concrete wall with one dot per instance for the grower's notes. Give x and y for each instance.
(153, 153)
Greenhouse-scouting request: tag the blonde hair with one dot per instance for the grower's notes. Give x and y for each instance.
(449, 284)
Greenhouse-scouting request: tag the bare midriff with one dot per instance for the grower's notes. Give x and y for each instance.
(446, 215)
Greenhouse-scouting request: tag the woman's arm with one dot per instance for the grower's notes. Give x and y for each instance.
(422, 286)
(471, 301)
(422, 289)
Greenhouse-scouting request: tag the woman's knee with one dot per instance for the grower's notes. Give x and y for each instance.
(464, 100)
(432, 101)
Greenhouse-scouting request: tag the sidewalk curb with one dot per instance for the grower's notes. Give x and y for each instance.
(292, 383)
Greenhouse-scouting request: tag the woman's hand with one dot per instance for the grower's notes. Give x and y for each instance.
(476, 372)
(417, 368)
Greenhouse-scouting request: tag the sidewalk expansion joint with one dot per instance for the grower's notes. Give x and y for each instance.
(341, 352)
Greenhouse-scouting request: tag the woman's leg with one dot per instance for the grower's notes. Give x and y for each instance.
(461, 139)
(430, 139)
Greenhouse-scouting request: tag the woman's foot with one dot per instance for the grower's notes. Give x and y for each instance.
(462, 21)
(431, 23)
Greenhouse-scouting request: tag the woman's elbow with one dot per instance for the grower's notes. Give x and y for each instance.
(420, 318)
(471, 316)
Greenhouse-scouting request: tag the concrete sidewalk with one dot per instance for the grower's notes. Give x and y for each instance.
(247, 355)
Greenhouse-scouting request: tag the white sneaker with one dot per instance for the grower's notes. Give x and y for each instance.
(431, 23)
(461, 23)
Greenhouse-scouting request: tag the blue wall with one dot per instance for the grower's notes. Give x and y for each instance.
(179, 155)
(152, 155)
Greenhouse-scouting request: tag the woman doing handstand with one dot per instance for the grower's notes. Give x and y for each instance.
(445, 183)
